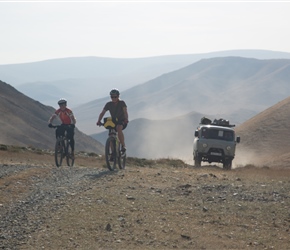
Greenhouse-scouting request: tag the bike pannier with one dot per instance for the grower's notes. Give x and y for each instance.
(108, 123)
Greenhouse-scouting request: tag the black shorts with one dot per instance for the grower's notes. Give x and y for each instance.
(122, 123)
(69, 128)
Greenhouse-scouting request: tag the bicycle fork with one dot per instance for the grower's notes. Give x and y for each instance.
(115, 146)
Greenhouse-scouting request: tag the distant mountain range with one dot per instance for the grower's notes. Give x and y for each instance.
(164, 111)
(24, 123)
(235, 88)
(83, 79)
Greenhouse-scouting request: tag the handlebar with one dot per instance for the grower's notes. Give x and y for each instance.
(62, 125)
(102, 124)
(54, 126)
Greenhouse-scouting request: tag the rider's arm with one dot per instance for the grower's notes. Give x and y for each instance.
(101, 115)
(126, 113)
(51, 118)
(74, 120)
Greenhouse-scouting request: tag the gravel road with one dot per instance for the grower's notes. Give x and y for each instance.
(45, 195)
(162, 205)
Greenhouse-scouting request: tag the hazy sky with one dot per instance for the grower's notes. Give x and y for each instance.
(35, 30)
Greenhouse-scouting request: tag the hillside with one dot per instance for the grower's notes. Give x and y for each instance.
(215, 86)
(265, 137)
(24, 123)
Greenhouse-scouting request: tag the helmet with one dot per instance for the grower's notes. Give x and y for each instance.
(114, 92)
(62, 101)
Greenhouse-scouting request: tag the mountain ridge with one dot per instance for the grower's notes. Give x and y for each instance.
(97, 73)
(211, 86)
(24, 123)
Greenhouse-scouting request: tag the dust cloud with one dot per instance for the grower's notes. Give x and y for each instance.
(244, 157)
(172, 139)
(161, 139)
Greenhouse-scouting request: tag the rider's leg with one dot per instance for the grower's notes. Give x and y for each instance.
(121, 135)
(70, 135)
(59, 132)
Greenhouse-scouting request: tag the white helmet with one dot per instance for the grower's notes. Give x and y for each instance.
(62, 101)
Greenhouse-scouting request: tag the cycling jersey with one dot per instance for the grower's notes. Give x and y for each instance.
(116, 109)
(66, 116)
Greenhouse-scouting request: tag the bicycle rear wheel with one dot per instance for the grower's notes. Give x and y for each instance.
(121, 158)
(69, 157)
(58, 152)
(110, 153)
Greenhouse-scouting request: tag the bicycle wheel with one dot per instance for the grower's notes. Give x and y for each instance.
(58, 152)
(121, 158)
(69, 157)
(110, 153)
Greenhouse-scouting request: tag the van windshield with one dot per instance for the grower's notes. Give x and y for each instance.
(219, 134)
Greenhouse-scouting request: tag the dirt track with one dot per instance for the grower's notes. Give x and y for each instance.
(163, 204)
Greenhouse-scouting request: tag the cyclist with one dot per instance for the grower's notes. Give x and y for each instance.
(68, 121)
(119, 114)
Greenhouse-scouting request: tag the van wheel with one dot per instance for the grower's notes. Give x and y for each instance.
(227, 164)
(197, 161)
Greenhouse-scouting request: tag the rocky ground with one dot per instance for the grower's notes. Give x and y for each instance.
(163, 204)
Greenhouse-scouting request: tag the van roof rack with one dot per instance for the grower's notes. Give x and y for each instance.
(218, 122)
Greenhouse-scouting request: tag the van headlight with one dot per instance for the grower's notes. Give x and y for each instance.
(229, 148)
(204, 145)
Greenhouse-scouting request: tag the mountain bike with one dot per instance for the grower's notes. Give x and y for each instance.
(63, 150)
(113, 148)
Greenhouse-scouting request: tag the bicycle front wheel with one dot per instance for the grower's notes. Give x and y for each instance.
(58, 152)
(69, 157)
(110, 153)
(121, 158)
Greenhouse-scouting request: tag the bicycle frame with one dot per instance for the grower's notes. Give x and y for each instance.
(113, 133)
(63, 149)
(113, 151)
